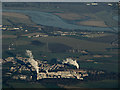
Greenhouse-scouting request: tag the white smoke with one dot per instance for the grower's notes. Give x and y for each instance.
(29, 53)
(70, 61)
(32, 61)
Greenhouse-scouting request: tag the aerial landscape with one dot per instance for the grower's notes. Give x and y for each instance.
(60, 45)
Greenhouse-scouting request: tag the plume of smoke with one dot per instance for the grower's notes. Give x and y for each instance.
(29, 53)
(32, 61)
(72, 62)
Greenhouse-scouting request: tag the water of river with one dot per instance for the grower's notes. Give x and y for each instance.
(50, 19)
(115, 18)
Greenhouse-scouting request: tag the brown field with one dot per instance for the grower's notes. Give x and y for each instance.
(9, 36)
(94, 20)
(70, 16)
(93, 23)
(17, 15)
(15, 18)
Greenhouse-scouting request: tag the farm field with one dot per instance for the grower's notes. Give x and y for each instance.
(10, 18)
(75, 43)
(70, 16)
(93, 23)
(62, 43)
(99, 84)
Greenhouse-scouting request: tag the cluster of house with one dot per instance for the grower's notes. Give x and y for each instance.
(61, 33)
(45, 70)
(78, 74)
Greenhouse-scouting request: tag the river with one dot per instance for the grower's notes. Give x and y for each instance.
(115, 18)
(50, 19)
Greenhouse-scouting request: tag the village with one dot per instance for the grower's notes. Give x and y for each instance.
(46, 70)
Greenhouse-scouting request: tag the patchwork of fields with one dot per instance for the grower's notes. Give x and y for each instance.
(93, 50)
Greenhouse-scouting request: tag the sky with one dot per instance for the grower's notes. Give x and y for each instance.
(59, 0)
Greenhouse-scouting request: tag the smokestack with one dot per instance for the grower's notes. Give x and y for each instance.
(32, 61)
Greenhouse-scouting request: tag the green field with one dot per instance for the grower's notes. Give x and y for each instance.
(25, 85)
(76, 43)
(55, 47)
(96, 84)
